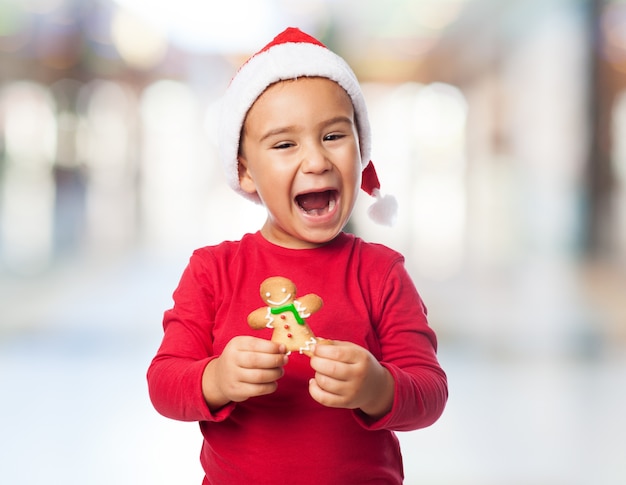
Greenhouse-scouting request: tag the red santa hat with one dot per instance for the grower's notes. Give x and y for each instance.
(290, 55)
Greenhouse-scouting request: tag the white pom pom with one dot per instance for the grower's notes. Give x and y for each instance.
(385, 210)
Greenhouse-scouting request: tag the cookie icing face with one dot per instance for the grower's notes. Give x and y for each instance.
(277, 291)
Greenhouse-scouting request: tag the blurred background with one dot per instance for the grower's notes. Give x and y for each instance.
(499, 125)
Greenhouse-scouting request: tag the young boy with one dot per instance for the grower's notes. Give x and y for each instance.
(295, 137)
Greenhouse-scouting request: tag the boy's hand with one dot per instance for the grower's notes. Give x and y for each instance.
(248, 367)
(349, 376)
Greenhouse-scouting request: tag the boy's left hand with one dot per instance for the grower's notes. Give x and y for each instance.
(349, 376)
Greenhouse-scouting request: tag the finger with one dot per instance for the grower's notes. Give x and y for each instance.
(261, 360)
(337, 350)
(262, 376)
(324, 397)
(255, 344)
(331, 368)
(329, 384)
(246, 391)
(252, 382)
(253, 352)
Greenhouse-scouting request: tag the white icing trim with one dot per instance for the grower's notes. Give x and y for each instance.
(269, 318)
(281, 302)
(308, 344)
(301, 309)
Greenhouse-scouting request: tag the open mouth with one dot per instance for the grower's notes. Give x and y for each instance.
(317, 203)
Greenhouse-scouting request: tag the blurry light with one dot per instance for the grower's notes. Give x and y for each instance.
(308, 9)
(171, 132)
(166, 106)
(65, 92)
(105, 141)
(235, 26)
(42, 6)
(435, 15)
(109, 114)
(619, 136)
(211, 122)
(438, 243)
(12, 18)
(140, 44)
(440, 114)
(410, 18)
(27, 198)
(29, 117)
(618, 157)
(613, 24)
(15, 26)
(66, 146)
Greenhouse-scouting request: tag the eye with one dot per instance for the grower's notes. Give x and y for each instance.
(283, 145)
(284, 290)
(268, 294)
(334, 136)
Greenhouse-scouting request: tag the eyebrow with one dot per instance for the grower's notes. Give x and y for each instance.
(338, 119)
(285, 129)
(277, 131)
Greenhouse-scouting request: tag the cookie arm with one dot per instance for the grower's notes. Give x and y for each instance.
(310, 303)
(258, 318)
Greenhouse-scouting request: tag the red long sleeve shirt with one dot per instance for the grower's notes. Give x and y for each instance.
(287, 437)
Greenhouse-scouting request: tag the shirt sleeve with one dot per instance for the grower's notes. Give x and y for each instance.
(175, 374)
(408, 349)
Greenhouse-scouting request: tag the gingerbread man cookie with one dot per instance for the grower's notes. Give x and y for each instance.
(286, 315)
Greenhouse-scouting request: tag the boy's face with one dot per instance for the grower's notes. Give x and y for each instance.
(300, 153)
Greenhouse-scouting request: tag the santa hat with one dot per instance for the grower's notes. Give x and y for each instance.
(290, 55)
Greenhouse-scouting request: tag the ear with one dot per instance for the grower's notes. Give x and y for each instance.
(246, 182)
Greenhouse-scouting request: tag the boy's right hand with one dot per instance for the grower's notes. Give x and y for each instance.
(248, 367)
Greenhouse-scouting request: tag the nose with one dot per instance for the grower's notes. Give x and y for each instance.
(315, 159)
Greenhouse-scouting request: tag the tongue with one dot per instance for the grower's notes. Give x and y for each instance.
(314, 202)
